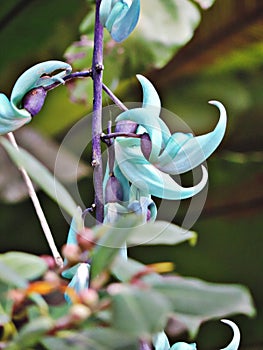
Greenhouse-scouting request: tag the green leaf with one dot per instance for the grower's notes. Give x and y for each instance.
(126, 269)
(161, 232)
(10, 277)
(67, 165)
(92, 339)
(26, 265)
(33, 331)
(139, 312)
(159, 22)
(45, 180)
(195, 301)
(110, 243)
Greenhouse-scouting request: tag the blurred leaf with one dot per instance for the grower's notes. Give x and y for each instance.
(92, 339)
(139, 312)
(68, 170)
(41, 176)
(159, 21)
(110, 243)
(195, 301)
(26, 265)
(161, 232)
(10, 277)
(32, 332)
(51, 343)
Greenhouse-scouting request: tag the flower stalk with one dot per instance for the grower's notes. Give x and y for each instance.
(38, 208)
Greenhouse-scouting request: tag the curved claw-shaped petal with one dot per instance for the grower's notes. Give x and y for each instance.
(150, 95)
(192, 150)
(119, 17)
(234, 344)
(145, 118)
(8, 120)
(12, 113)
(105, 9)
(76, 225)
(132, 164)
(148, 116)
(36, 76)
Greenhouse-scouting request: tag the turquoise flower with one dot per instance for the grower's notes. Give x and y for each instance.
(119, 17)
(139, 203)
(161, 342)
(157, 153)
(78, 274)
(28, 94)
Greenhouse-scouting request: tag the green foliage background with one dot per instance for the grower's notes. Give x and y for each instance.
(223, 61)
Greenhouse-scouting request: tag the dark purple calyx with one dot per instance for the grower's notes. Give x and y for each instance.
(113, 190)
(126, 126)
(146, 145)
(33, 101)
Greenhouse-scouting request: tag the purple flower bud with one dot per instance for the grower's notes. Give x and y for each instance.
(146, 145)
(126, 126)
(34, 100)
(113, 191)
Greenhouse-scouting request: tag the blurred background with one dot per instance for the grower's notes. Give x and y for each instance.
(192, 55)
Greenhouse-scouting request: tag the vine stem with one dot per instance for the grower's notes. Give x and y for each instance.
(97, 72)
(37, 206)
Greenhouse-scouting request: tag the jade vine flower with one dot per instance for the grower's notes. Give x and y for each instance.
(160, 341)
(119, 17)
(139, 203)
(78, 273)
(153, 158)
(28, 94)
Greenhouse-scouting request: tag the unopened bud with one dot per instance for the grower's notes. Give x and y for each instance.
(146, 145)
(52, 278)
(33, 101)
(85, 239)
(50, 261)
(113, 191)
(89, 297)
(72, 253)
(79, 313)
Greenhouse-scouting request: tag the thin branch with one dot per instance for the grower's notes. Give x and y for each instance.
(120, 134)
(114, 98)
(37, 206)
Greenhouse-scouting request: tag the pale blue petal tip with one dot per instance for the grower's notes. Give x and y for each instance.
(234, 344)
(183, 346)
(161, 342)
(80, 280)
